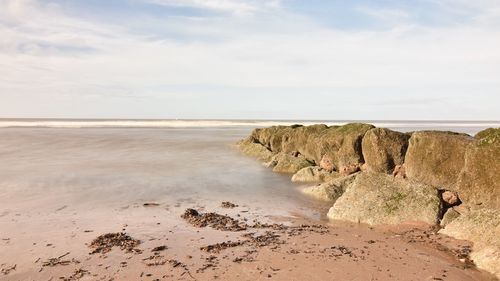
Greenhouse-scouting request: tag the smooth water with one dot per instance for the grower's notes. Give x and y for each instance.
(112, 167)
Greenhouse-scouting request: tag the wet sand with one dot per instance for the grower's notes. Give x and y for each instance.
(57, 245)
(60, 189)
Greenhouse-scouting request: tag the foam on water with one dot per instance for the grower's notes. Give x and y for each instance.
(461, 126)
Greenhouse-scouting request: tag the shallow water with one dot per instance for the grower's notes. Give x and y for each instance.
(114, 167)
(99, 167)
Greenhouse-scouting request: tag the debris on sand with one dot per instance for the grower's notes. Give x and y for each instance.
(106, 242)
(159, 248)
(155, 260)
(58, 261)
(150, 204)
(213, 220)
(266, 239)
(216, 248)
(228, 205)
(8, 269)
(77, 275)
(211, 262)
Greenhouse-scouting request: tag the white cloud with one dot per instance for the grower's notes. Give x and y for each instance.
(236, 7)
(53, 61)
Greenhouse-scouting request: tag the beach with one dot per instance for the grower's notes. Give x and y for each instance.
(64, 187)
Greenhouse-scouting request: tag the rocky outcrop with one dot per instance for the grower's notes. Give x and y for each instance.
(272, 137)
(384, 149)
(341, 146)
(254, 149)
(338, 146)
(436, 158)
(433, 177)
(376, 198)
(286, 163)
(314, 174)
(330, 191)
(482, 227)
(479, 180)
(296, 140)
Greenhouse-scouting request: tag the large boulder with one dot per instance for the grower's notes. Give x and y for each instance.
(383, 149)
(479, 181)
(314, 174)
(340, 144)
(272, 137)
(482, 227)
(254, 149)
(297, 139)
(376, 198)
(436, 158)
(286, 163)
(331, 190)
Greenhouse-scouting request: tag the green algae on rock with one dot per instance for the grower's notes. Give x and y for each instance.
(286, 163)
(376, 198)
(314, 174)
(479, 180)
(436, 158)
(256, 150)
(384, 149)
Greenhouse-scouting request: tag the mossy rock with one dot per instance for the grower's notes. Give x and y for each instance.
(376, 198)
(296, 140)
(271, 137)
(479, 181)
(482, 227)
(314, 174)
(331, 190)
(488, 136)
(383, 149)
(341, 144)
(436, 158)
(256, 150)
(286, 163)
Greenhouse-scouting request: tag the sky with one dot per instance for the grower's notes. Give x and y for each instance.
(250, 59)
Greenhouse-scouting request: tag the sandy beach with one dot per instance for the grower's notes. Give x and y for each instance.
(153, 242)
(99, 204)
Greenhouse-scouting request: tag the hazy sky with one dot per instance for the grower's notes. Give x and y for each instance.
(246, 59)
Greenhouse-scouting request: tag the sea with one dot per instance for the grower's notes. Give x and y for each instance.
(91, 163)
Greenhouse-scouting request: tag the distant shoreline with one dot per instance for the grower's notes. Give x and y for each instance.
(187, 123)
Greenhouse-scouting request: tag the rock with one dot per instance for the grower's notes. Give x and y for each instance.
(449, 216)
(298, 138)
(330, 191)
(256, 150)
(377, 198)
(326, 163)
(350, 169)
(479, 180)
(285, 163)
(436, 158)
(490, 135)
(450, 198)
(384, 149)
(272, 137)
(399, 172)
(482, 227)
(338, 146)
(314, 174)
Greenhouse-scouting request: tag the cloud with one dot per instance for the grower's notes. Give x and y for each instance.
(235, 7)
(67, 65)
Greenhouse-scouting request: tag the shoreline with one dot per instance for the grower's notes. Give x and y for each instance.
(50, 231)
(382, 177)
